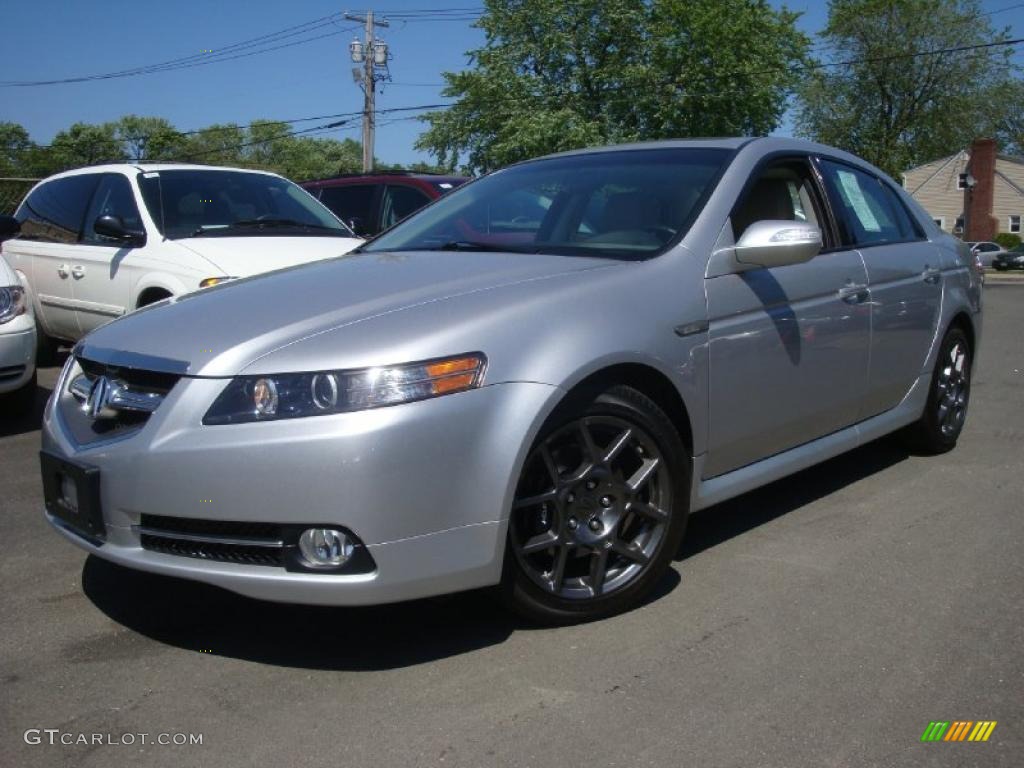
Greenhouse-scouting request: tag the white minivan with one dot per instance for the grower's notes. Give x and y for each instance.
(94, 243)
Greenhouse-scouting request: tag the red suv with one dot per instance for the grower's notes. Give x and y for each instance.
(373, 202)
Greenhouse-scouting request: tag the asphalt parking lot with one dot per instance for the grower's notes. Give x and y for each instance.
(822, 621)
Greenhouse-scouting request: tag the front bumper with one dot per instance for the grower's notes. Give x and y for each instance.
(17, 353)
(426, 486)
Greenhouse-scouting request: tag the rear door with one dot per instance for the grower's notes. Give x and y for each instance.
(102, 284)
(788, 345)
(51, 220)
(904, 278)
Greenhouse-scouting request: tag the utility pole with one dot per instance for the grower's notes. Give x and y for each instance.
(373, 55)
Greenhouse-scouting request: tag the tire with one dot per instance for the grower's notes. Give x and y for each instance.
(939, 427)
(600, 509)
(20, 403)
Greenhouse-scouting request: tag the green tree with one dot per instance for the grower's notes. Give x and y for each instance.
(897, 105)
(219, 144)
(554, 76)
(84, 144)
(1008, 108)
(148, 139)
(14, 144)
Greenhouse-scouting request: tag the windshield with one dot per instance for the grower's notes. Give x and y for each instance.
(623, 205)
(205, 203)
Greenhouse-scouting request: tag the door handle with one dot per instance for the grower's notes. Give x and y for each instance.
(853, 293)
(78, 271)
(62, 270)
(931, 275)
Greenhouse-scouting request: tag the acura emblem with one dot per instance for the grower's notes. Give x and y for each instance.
(100, 395)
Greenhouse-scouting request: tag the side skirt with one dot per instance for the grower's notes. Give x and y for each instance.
(714, 490)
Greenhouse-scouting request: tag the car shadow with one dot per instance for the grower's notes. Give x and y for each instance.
(203, 618)
(26, 419)
(721, 522)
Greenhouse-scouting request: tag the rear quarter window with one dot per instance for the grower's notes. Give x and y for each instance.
(55, 211)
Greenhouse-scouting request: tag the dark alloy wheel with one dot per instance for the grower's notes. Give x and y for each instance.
(944, 415)
(599, 510)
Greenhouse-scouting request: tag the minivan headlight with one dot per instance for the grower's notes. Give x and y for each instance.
(293, 395)
(12, 302)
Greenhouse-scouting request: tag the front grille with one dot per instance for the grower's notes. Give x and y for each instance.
(11, 372)
(85, 429)
(246, 543)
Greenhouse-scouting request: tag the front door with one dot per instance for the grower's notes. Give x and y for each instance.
(788, 345)
(101, 277)
(904, 277)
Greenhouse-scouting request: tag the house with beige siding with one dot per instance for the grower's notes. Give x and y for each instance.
(975, 194)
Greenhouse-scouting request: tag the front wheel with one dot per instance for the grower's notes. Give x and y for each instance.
(599, 510)
(944, 415)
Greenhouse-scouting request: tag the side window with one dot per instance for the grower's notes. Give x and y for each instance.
(54, 212)
(352, 204)
(866, 212)
(400, 202)
(783, 191)
(908, 225)
(113, 198)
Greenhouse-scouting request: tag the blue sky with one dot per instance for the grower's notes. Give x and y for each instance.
(50, 39)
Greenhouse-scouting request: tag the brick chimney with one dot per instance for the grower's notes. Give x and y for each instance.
(980, 223)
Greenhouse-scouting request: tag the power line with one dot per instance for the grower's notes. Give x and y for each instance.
(263, 44)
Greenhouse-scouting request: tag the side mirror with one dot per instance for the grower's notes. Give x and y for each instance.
(778, 243)
(113, 227)
(9, 227)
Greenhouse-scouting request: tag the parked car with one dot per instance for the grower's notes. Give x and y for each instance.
(986, 252)
(98, 242)
(373, 202)
(17, 345)
(531, 382)
(1012, 259)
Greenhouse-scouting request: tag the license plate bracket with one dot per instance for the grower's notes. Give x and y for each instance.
(71, 492)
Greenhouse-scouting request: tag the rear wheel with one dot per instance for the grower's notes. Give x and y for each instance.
(599, 510)
(944, 415)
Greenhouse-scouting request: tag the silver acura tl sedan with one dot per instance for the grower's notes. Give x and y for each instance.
(530, 383)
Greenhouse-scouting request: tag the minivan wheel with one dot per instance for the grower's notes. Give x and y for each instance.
(599, 510)
(946, 410)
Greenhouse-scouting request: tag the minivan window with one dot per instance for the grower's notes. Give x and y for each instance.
(621, 204)
(113, 197)
(352, 203)
(399, 202)
(55, 210)
(210, 203)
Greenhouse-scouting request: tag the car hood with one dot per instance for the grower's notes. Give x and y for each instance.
(244, 256)
(221, 330)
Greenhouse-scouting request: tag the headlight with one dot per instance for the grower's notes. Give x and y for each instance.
(12, 303)
(292, 395)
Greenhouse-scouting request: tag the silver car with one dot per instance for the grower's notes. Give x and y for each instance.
(531, 382)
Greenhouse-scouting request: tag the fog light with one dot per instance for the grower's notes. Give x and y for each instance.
(325, 547)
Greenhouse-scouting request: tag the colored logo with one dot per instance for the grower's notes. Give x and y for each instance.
(959, 730)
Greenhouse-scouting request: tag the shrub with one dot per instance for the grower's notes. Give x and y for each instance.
(1008, 240)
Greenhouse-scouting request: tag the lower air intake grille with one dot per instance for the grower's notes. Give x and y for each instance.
(221, 540)
(208, 550)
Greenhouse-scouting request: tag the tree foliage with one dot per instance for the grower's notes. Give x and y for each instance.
(265, 144)
(898, 106)
(555, 76)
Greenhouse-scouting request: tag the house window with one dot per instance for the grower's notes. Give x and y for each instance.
(940, 222)
(959, 225)
(1015, 224)
(961, 181)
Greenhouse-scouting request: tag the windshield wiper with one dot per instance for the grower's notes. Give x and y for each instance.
(466, 245)
(268, 222)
